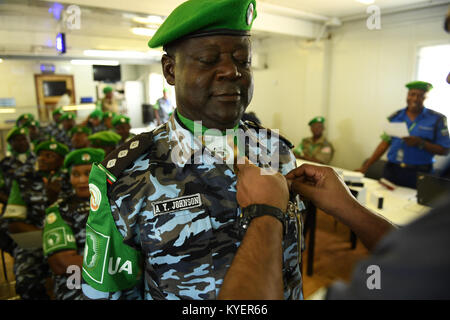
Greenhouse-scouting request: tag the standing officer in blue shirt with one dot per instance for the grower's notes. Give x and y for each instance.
(428, 136)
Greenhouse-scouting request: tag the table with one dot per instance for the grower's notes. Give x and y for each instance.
(399, 207)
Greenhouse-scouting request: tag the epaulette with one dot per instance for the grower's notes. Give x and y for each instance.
(392, 116)
(440, 115)
(257, 126)
(122, 157)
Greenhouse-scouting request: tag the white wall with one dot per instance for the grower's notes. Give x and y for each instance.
(292, 90)
(368, 72)
(17, 81)
(356, 80)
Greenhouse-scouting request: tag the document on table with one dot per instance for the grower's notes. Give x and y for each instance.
(396, 129)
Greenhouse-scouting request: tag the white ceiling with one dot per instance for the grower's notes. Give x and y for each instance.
(28, 27)
(340, 8)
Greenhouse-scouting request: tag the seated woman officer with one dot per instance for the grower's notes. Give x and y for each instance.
(65, 222)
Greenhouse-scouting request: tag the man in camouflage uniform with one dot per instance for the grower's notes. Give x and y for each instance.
(31, 193)
(166, 200)
(65, 224)
(316, 148)
(54, 129)
(20, 154)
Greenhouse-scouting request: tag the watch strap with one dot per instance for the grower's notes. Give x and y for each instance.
(259, 210)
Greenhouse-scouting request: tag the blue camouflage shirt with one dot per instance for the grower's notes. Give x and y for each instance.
(176, 204)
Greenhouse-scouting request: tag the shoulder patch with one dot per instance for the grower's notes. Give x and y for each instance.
(257, 126)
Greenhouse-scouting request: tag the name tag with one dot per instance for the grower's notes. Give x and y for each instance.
(177, 204)
(426, 128)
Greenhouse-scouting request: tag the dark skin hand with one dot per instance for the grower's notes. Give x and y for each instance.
(323, 186)
(52, 187)
(19, 227)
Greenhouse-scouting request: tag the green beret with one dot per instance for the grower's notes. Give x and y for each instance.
(317, 119)
(97, 113)
(107, 90)
(84, 156)
(52, 145)
(421, 85)
(15, 131)
(104, 138)
(196, 18)
(119, 119)
(68, 116)
(25, 116)
(58, 111)
(80, 129)
(31, 123)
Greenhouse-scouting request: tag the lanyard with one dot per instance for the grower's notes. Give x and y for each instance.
(412, 127)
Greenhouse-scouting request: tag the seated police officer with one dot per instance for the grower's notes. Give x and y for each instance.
(316, 148)
(167, 199)
(428, 137)
(65, 223)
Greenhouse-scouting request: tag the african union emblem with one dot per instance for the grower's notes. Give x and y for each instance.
(86, 157)
(90, 250)
(96, 197)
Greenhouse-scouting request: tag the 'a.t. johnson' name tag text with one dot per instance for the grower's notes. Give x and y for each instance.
(177, 204)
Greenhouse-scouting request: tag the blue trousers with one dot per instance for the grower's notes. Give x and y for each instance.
(405, 177)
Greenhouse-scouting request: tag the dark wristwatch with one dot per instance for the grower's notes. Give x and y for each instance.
(259, 210)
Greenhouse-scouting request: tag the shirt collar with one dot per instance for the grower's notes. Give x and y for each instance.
(185, 147)
(423, 114)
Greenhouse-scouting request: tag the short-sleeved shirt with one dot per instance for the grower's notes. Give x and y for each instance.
(429, 125)
(188, 250)
(321, 149)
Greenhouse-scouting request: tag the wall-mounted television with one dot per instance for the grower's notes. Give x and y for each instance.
(54, 88)
(109, 74)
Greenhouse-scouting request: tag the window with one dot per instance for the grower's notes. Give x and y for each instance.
(433, 67)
